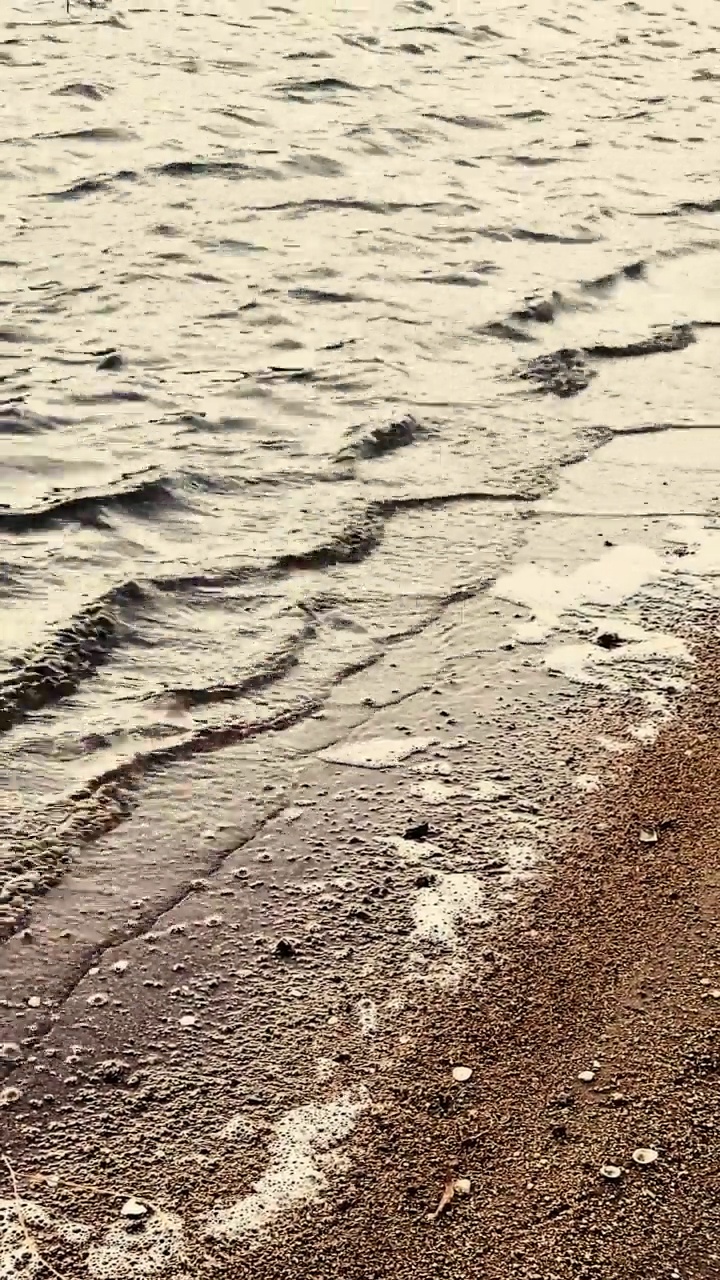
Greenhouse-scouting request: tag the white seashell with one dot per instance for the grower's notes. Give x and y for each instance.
(645, 1155)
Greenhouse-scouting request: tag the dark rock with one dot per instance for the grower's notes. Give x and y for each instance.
(111, 362)
(425, 881)
(284, 950)
(419, 832)
(609, 640)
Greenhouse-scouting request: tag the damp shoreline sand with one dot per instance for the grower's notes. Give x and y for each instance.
(266, 1063)
(613, 974)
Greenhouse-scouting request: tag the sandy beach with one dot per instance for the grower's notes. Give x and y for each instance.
(514, 874)
(359, 641)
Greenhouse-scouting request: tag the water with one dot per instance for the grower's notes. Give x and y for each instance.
(238, 242)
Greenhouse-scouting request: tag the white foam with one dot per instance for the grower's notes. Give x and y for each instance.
(20, 1257)
(158, 1249)
(439, 908)
(367, 1016)
(436, 792)
(588, 663)
(647, 731)
(608, 581)
(302, 1153)
(587, 782)
(376, 753)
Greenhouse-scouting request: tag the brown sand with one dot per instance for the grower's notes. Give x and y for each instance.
(618, 965)
(615, 962)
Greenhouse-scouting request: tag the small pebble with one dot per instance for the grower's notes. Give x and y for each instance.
(587, 1077)
(132, 1208)
(461, 1074)
(188, 1020)
(611, 1171)
(34, 1002)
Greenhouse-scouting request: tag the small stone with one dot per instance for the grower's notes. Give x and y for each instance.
(648, 836)
(188, 1020)
(111, 362)
(462, 1186)
(284, 950)
(645, 1155)
(611, 1171)
(119, 966)
(609, 640)
(10, 1095)
(34, 1002)
(132, 1208)
(10, 1052)
(419, 832)
(461, 1074)
(97, 999)
(587, 1077)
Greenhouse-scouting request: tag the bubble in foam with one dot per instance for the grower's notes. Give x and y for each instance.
(302, 1155)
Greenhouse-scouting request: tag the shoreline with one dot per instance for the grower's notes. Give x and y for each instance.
(274, 1042)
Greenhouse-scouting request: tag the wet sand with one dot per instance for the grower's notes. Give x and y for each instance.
(444, 868)
(614, 974)
(613, 968)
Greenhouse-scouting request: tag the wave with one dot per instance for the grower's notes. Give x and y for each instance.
(202, 168)
(130, 493)
(324, 84)
(376, 441)
(72, 655)
(82, 89)
(92, 186)
(567, 372)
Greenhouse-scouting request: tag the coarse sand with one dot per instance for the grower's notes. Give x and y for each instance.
(615, 974)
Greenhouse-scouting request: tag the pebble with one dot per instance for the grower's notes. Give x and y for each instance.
(188, 1020)
(284, 950)
(587, 1077)
(645, 1155)
(461, 1074)
(34, 1002)
(10, 1052)
(132, 1208)
(611, 1171)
